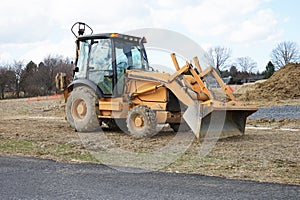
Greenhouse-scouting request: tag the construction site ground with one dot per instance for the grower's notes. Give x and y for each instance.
(268, 152)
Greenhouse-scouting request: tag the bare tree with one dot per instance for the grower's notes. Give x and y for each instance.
(51, 63)
(219, 55)
(284, 53)
(7, 80)
(51, 66)
(17, 68)
(246, 64)
(2, 81)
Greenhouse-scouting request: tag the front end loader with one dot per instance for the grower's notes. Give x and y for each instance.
(114, 86)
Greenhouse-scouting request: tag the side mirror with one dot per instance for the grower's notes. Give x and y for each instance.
(76, 69)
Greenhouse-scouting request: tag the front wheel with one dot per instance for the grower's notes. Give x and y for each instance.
(82, 110)
(141, 122)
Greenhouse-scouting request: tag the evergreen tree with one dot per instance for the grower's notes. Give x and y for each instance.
(270, 69)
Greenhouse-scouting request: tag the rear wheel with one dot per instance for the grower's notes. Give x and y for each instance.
(82, 110)
(141, 122)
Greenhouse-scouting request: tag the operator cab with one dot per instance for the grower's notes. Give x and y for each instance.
(104, 58)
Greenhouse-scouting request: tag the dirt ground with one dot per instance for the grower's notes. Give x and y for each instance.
(269, 151)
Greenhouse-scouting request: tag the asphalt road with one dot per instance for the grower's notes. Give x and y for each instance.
(30, 178)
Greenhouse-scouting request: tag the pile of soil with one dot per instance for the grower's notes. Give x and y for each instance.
(283, 84)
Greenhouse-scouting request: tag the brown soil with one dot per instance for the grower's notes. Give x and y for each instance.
(271, 155)
(282, 85)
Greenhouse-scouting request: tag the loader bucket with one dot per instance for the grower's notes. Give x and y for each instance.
(217, 121)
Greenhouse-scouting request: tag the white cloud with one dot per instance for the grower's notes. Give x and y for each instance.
(215, 18)
(108, 15)
(218, 12)
(5, 58)
(38, 52)
(286, 20)
(37, 28)
(258, 28)
(23, 21)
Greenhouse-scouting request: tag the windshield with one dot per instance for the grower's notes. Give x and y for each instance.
(132, 54)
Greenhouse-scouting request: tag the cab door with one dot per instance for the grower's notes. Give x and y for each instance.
(100, 67)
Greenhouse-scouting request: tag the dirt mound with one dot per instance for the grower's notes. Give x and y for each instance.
(283, 84)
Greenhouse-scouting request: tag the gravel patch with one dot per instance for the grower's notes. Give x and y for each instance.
(277, 112)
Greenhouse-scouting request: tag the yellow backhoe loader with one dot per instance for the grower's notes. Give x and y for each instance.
(114, 85)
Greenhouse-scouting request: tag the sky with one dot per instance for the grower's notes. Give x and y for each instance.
(34, 29)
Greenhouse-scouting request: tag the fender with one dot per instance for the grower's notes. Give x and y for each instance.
(88, 83)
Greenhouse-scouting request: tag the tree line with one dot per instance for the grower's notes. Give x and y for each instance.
(31, 79)
(243, 69)
(20, 80)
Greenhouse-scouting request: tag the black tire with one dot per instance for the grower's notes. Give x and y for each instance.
(141, 122)
(82, 110)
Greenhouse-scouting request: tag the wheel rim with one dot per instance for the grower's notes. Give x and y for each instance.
(79, 109)
(138, 121)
